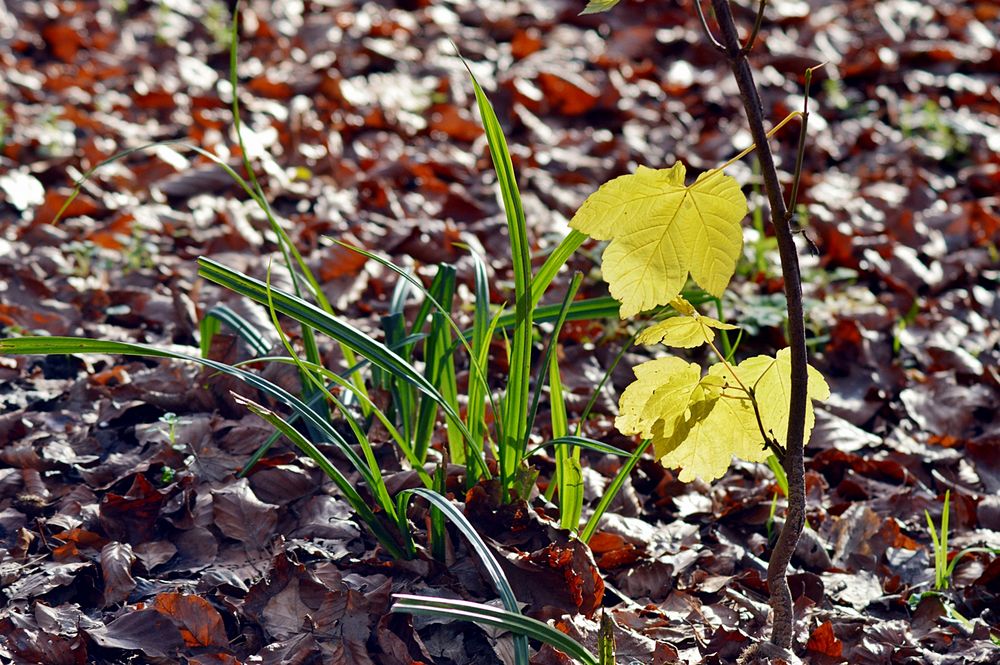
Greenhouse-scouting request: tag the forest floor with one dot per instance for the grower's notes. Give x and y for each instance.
(122, 540)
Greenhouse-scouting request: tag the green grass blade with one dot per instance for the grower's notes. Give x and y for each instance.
(403, 398)
(222, 314)
(343, 484)
(612, 491)
(438, 357)
(208, 328)
(937, 550)
(606, 639)
(284, 242)
(477, 369)
(288, 250)
(479, 547)
(604, 307)
(963, 553)
(426, 416)
(488, 615)
(368, 408)
(493, 569)
(581, 442)
(554, 263)
(437, 531)
(364, 400)
(943, 554)
(313, 378)
(779, 473)
(569, 474)
(482, 336)
(557, 404)
(550, 350)
(515, 404)
(440, 296)
(88, 174)
(311, 315)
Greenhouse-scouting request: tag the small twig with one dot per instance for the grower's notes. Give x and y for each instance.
(793, 200)
(708, 31)
(752, 39)
(770, 442)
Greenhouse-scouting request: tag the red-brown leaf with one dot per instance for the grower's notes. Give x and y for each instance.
(200, 623)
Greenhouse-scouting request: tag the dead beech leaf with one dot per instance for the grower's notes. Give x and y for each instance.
(43, 581)
(33, 646)
(145, 630)
(285, 611)
(200, 623)
(63, 620)
(945, 409)
(242, 516)
(824, 641)
(116, 567)
(131, 518)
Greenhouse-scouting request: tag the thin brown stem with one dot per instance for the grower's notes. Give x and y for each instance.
(769, 441)
(793, 200)
(752, 39)
(781, 596)
(704, 26)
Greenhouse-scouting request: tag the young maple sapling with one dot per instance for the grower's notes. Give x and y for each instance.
(661, 232)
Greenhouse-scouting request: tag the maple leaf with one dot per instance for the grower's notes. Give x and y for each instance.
(713, 429)
(698, 424)
(771, 380)
(670, 379)
(597, 6)
(686, 331)
(661, 231)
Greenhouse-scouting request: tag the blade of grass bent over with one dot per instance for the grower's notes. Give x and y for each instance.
(285, 244)
(477, 369)
(488, 615)
(243, 328)
(311, 315)
(374, 476)
(479, 547)
(364, 401)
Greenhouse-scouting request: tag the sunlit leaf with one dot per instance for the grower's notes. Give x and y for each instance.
(661, 231)
(672, 377)
(685, 332)
(598, 6)
(698, 424)
(713, 430)
(771, 380)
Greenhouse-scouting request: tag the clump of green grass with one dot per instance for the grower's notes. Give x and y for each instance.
(417, 363)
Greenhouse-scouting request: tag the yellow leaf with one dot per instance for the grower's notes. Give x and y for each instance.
(685, 332)
(700, 424)
(704, 445)
(682, 306)
(661, 231)
(771, 380)
(662, 389)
